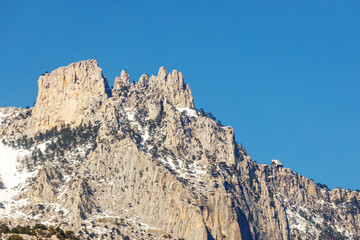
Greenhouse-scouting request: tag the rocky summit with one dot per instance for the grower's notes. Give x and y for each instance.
(139, 161)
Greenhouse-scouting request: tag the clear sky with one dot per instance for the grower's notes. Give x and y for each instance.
(284, 74)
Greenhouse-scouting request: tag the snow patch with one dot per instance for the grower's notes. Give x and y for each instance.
(1, 115)
(193, 170)
(43, 146)
(296, 221)
(188, 111)
(130, 115)
(14, 180)
(5, 113)
(9, 165)
(146, 135)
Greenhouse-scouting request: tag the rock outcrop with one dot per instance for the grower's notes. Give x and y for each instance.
(140, 160)
(122, 82)
(69, 95)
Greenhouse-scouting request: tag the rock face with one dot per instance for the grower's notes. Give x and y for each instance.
(140, 161)
(68, 95)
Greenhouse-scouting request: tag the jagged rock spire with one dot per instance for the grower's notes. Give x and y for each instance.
(143, 81)
(162, 73)
(172, 87)
(70, 94)
(165, 86)
(122, 81)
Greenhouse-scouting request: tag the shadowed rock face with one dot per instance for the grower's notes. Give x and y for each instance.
(140, 160)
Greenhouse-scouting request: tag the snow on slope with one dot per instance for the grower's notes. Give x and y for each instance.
(189, 111)
(9, 164)
(11, 175)
(3, 115)
(8, 112)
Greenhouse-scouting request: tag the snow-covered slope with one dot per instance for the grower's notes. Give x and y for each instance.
(12, 173)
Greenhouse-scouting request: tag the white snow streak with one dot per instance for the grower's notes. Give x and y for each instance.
(188, 111)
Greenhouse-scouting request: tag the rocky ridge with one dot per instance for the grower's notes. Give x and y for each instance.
(140, 160)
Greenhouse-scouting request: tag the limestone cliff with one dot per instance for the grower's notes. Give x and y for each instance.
(140, 160)
(68, 95)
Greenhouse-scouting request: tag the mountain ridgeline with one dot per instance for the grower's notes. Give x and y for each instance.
(139, 161)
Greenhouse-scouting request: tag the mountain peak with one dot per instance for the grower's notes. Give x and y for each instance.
(73, 93)
(67, 93)
(165, 86)
(173, 87)
(162, 73)
(142, 160)
(122, 81)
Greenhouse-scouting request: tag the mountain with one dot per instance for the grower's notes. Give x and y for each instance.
(139, 161)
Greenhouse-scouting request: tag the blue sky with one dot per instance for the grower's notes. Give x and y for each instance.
(284, 74)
